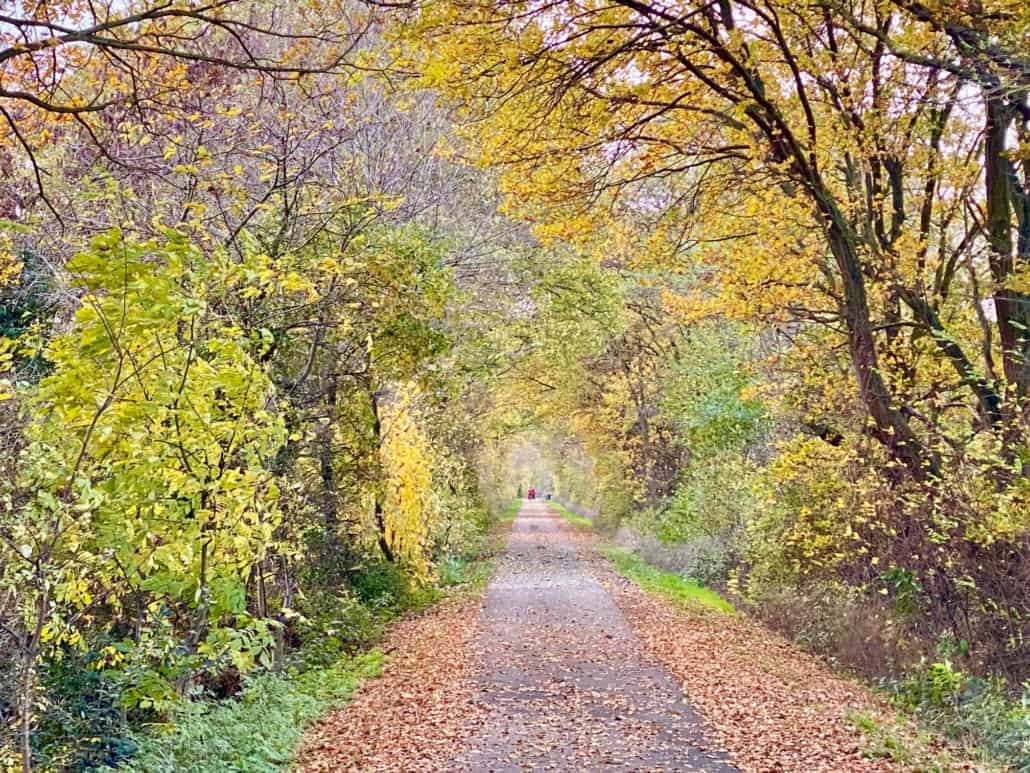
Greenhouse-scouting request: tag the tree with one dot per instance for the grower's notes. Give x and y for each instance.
(848, 176)
(144, 488)
(604, 101)
(91, 67)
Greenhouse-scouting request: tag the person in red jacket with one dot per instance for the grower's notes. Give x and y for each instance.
(532, 493)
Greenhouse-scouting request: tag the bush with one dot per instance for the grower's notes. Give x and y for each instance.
(704, 559)
(81, 724)
(389, 590)
(510, 511)
(461, 531)
(712, 500)
(344, 619)
(839, 624)
(334, 623)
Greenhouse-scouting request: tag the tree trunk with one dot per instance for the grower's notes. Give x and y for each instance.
(26, 715)
(380, 516)
(326, 470)
(327, 473)
(1002, 191)
(891, 426)
(384, 541)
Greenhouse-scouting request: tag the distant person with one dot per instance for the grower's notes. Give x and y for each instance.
(532, 493)
(548, 496)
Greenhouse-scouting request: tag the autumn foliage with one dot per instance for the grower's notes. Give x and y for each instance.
(289, 293)
(841, 189)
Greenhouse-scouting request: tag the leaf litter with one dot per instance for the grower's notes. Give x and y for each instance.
(566, 666)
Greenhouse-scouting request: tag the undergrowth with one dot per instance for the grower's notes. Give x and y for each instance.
(510, 511)
(978, 714)
(673, 586)
(456, 571)
(257, 731)
(904, 745)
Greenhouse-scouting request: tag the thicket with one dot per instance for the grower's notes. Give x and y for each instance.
(178, 518)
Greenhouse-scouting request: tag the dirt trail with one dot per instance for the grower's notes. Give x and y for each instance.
(564, 682)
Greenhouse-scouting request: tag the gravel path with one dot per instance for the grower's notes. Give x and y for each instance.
(566, 666)
(564, 683)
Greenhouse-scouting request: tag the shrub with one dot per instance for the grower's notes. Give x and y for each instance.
(335, 622)
(81, 723)
(838, 623)
(712, 500)
(383, 585)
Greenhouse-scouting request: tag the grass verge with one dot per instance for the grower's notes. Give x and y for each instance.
(510, 511)
(571, 517)
(257, 732)
(680, 589)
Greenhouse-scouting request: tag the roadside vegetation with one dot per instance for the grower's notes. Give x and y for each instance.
(672, 586)
(257, 731)
(570, 517)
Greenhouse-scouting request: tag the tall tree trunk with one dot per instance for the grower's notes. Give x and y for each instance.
(327, 470)
(25, 712)
(1002, 191)
(380, 516)
(891, 425)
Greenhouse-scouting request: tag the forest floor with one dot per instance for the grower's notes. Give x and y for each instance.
(564, 665)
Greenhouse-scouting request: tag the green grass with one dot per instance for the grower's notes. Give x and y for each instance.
(979, 715)
(471, 573)
(901, 744)
(571, 517)
(510, 511)
(680, 589)
(259, 731)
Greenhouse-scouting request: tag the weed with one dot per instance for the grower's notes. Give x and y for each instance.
(977, 713)
(899, 743)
